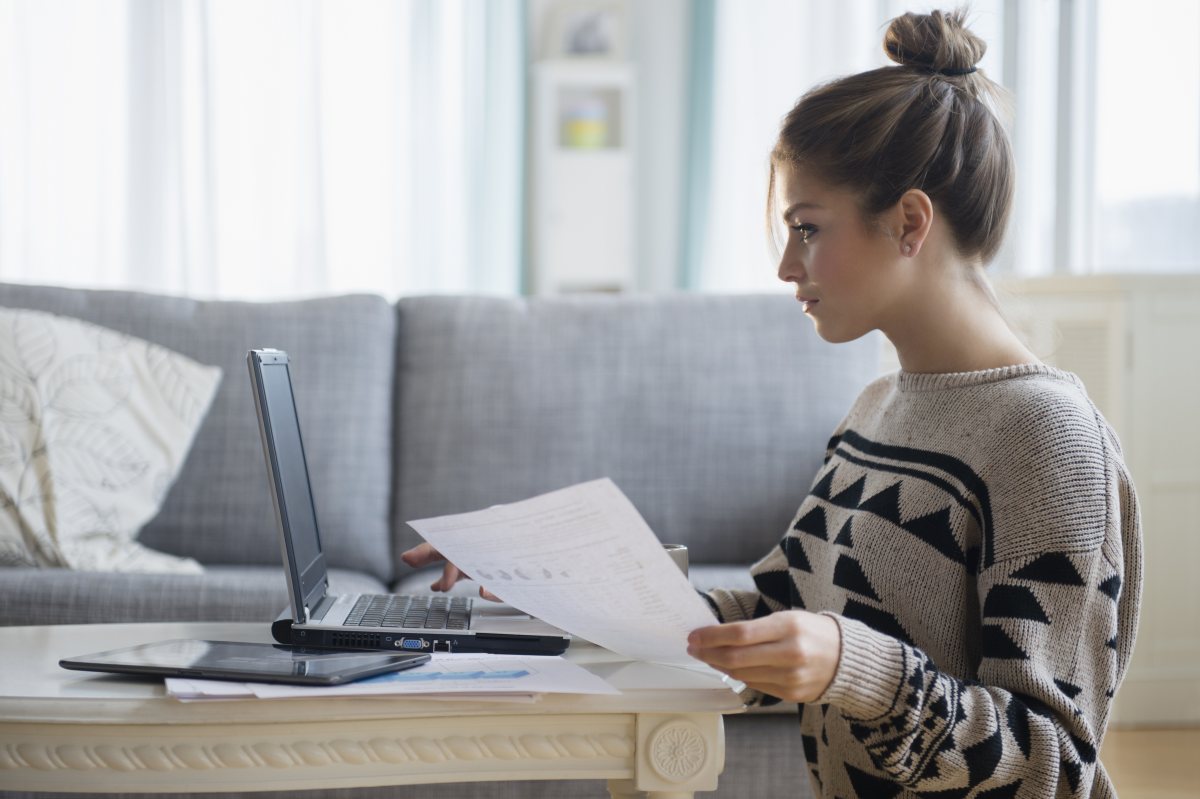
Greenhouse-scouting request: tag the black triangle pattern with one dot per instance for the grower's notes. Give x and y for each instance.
(1072, 770)
(876, 619)
(776, 586)
(1013, 602)
(1087, 752)
(797, 558)
(885, 504)
(1069, 689)
(851, 495)
(983, 757)
(1003, 792)
(1054, 568)
(1111, 587)
(822, 489)
(843, 536)
(813, 523)
(868, 786)
(848, 574)
(1017, 719)
(810, 748)
(934, 529)
(995, 643)
(761, 608)
(1111, 643)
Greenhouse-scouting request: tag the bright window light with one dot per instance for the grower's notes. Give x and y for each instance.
(1148, 136)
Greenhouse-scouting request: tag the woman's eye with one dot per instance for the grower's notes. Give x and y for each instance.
(805, 231)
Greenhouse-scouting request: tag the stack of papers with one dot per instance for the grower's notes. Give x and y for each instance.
(486, 678)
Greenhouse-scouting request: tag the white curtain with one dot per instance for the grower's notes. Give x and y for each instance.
(262, 148)
(766, 55)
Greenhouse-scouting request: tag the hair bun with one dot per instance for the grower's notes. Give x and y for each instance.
(937, 41)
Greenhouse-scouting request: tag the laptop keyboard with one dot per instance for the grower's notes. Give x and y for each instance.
(410, 612)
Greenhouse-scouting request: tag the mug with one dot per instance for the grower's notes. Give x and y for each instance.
(678, 553)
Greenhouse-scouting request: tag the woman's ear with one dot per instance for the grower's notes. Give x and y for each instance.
(913, 218)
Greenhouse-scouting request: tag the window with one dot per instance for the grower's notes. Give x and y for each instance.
(1106, 127)
(1147, 186)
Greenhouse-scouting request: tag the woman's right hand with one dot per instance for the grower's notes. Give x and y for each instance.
(425, 554)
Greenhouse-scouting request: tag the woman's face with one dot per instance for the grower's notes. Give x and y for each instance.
(841, 267)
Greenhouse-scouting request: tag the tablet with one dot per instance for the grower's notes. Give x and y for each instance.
(225, 660)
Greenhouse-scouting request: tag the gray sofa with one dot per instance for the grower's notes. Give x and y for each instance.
(711, 413)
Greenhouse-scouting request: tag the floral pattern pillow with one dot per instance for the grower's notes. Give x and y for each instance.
(94, 428)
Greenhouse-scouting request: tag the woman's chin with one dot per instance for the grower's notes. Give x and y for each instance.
(835, 333)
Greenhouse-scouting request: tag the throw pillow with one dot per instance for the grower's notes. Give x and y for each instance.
(94, 427)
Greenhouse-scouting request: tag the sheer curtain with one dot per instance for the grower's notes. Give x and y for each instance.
(262, 148)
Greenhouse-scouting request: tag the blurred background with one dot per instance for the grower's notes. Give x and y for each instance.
(266, 149)
(276, 148)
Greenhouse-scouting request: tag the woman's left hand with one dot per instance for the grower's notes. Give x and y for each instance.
(792, 654)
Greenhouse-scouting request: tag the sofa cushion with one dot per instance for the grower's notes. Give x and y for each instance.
(94, 427)
(710, 412)
(342, 351)
(222, 593)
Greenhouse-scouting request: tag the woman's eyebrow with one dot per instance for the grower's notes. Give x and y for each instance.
(794, 207)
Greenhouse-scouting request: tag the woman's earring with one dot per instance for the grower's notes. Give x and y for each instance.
(907, 249)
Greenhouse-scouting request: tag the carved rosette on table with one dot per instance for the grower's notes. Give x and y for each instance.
(677, 750)
(273, 754)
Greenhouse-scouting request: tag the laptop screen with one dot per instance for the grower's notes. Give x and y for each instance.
(295, 501)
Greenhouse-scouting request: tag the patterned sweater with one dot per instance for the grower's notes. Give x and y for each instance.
(976, 538)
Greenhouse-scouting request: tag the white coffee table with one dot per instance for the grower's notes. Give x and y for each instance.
(73, 731)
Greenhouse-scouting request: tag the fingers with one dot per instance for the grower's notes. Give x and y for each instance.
(421, 555)
(450, 576)
(744, 633)
(790, 654)
(424, 554)
(729, 658)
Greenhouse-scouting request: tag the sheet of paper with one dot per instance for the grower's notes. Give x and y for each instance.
(186, 690)
(461, 675)
(581, 559)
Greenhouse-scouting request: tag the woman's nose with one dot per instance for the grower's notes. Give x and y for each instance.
(790, 269)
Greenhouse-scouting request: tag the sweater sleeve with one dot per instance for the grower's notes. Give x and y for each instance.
(1056, 633)
(772, 594)
(775, 591)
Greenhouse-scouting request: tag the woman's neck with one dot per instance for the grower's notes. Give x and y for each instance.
(953, 326)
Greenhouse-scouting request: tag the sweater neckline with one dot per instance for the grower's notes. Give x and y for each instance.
(924, 381)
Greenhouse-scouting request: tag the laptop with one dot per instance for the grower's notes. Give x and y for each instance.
(362, 621)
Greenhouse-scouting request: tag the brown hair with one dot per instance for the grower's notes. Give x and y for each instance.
(932, 123)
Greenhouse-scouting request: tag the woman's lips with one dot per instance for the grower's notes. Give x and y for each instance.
(808, 303)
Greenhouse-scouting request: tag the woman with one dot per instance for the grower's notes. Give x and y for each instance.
(955, 602)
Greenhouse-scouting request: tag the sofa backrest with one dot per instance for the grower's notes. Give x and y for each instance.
(711, 413)
(342, 350)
